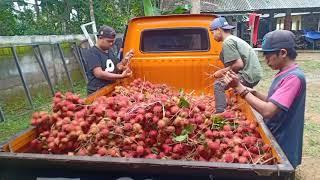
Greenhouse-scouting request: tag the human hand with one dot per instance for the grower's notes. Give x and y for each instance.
(231, 79)
(221, 72)
(126, 73)
(127, 57)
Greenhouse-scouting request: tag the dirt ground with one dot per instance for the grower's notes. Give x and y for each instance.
(309, 170)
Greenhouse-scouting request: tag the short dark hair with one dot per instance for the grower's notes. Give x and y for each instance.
(292, 53)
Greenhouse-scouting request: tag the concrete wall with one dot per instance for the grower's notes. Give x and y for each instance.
(10, 81)
(37, 39)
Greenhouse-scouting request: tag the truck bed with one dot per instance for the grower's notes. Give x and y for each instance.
(14, 157)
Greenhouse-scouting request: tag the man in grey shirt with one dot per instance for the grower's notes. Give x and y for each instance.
(236, 55)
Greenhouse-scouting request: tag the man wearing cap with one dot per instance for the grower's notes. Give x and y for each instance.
(283, 107)
(103, 67)
(236, 55)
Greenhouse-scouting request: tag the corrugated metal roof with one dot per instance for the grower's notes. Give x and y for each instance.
(235, 5)
(252, 5)
(245, 5)
(280, 4)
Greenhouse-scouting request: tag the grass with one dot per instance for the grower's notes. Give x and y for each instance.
(311, 139)
(311, 144)
(18, 112)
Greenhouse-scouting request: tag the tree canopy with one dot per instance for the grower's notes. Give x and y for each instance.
(48, 17)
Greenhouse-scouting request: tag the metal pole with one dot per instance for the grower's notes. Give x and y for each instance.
(80, 62)
(2, 118)
(38, 60)
(44, 67)
(65, 66)
(26, 89)
(83, 61)
(313, 44)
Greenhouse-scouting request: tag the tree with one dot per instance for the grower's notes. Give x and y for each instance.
(46, 17)
(91, 10)
(7, 19)
(117, 13)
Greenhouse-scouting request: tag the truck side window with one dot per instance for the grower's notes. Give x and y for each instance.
(166, 40)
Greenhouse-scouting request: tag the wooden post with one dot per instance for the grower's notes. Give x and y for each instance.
(36, 7)
(94, 28)
(287, 20)
(195, 9)
(272, 21)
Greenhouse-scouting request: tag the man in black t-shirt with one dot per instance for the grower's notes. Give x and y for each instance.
(103, 67)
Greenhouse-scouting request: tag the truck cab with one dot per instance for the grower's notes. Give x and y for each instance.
(178, 50)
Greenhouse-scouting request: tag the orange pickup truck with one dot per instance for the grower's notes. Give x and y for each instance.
(179, 51)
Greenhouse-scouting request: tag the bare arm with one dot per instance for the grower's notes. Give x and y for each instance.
(258, 94)
(99, 73)
(265, 108)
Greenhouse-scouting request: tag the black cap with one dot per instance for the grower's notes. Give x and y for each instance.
(107, 31)
(278, 39)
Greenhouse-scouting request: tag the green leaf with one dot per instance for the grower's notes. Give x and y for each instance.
(235, 125)
(217, 122)
(188, 6)
(188, 129)
(154, 150)
(148, 8)
(181, 92)
(183, 103)
(180, 10)
(181, 138)
(184, 134)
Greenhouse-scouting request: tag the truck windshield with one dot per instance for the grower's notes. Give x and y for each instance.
(168, 40)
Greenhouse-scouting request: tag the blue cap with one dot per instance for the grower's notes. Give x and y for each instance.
(220, 22)
(278, 39)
